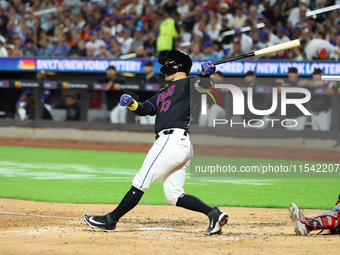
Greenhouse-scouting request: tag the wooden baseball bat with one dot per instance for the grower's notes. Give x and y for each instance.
(264, 51)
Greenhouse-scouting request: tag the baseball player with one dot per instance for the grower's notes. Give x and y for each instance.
(171, 153)
(327, 220)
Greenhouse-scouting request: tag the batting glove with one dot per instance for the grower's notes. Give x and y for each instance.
(208, 68)
(126, 100)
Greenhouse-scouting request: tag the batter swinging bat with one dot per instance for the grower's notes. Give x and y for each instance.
(264, 51)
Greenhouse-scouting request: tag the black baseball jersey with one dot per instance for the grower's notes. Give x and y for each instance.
(171, 105)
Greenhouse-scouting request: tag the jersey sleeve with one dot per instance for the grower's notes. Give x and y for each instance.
(148, 107)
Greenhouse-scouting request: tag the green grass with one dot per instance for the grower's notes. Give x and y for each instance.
(85, 176)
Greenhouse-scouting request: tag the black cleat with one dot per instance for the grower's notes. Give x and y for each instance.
(105, 222)
(217, 219)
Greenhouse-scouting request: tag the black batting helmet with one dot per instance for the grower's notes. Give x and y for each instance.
(179, 61)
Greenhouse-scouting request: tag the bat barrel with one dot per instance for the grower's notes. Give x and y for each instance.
(264, 51)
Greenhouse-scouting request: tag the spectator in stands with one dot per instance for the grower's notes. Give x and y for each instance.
(210, 53)
(286, 8)
(72, 107)
(46, 48)
(297, 54)
(30, 50)
(170, 6)
(320, 104)
(319, 48)
(303, 21)
(192, 16)
(150, 44)
(337, 48)
(292, 112)
(148, 18)
(214, 27)
(3, 22)
(168, 32)
(225, 39)
(182, 8)
(17, 53)
(281, 34)
(295, 14)
(10, 49)
(107, 37)
(90, 52)
(240, 18)
(196, 52)
(236, 49)
(273, 39)
(275, 16)
(95, 42)
(246, 41)
(3, 50)
(127, 41)
(225, 14)
(61, 48)
(184, 37)
(48, 25)
(137, 39)
(140, 52)
(103, 53)
(72, 5)
(116, 48)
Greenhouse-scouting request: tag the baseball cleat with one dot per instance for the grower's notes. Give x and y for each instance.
(295, 215)
(217, 220)
(105, 222)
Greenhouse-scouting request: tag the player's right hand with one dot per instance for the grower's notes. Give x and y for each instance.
(208, 68)
(126, 100)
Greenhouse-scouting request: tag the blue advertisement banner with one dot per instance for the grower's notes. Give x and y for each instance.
(236, 68)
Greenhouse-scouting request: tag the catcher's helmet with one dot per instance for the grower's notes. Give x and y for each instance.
(179, 62)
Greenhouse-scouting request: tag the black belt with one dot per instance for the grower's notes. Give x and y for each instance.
(169, 132)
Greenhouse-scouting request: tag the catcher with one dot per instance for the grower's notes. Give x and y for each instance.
(327, 220)
(170, 155)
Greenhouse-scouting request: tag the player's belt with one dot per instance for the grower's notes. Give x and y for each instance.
(169, 132)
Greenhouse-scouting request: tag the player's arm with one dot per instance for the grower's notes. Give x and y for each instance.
(311, 83)
(140, 108)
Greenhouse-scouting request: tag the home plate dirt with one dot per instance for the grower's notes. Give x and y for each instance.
(50, 228)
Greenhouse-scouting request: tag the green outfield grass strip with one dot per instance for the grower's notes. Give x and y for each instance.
(86, 176)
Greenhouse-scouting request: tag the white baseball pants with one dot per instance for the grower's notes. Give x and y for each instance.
(168, 158)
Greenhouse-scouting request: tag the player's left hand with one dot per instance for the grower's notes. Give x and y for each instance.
(126, 100)
(208, 68)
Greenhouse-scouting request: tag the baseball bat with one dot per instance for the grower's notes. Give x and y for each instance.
(264, 51)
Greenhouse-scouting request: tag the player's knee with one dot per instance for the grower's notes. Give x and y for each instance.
(172, 197)
(172, 200)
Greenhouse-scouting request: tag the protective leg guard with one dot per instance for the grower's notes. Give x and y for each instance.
(327, 220)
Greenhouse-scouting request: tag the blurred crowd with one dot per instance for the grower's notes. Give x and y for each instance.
(211, 29)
